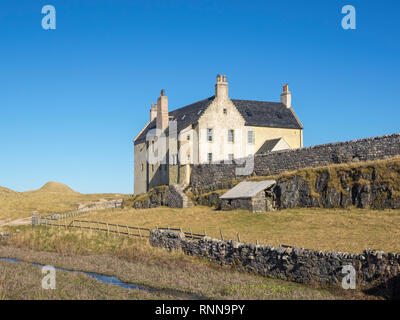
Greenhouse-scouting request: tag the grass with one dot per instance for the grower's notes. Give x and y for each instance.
(23, 281)
(52, 197)
(349, 230)
(384, 171)
(135, 261)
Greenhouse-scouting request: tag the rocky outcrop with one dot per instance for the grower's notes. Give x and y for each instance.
(352, 188)
(156, 197)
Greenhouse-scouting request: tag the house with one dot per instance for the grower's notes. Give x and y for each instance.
(256, 196)
(212, 130)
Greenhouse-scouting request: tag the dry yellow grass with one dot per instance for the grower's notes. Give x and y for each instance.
(349, 230)
(52, 197)
(136, 261)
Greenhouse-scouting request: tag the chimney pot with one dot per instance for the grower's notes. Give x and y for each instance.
(286, 88)
(163, 92)
(221, 87)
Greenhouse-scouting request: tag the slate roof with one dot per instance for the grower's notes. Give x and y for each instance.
(255, 113)
(247, 189)
(267, 114)
(268, 146)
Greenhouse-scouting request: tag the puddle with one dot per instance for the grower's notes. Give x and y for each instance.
(118, 282)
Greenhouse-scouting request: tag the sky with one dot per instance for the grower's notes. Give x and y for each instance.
(73, 99)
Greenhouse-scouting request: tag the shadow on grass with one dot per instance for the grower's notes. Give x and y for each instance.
(389, 290)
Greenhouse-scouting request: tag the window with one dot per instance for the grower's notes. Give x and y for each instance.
(188, 157)
(209, 135)
(188, 137)
(152, 168)
(209, 157)
(142, 166)
(231, 136)
(230, 157)
(250, 137)
(225, 111)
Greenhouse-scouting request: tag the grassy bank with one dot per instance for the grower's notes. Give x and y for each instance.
(23, 281)
(349, 230)
(135, 261)
(52, 197)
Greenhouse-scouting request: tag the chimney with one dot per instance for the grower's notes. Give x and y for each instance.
(286, 97)
(221, 87)
(153, 112)
(162, 111)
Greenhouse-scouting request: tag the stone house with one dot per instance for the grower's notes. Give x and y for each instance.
(215, 129)
(256, 196)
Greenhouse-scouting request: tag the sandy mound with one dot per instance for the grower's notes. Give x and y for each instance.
(56, 187)
(6, 190)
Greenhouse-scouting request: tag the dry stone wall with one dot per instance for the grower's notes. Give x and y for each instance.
(208, 177)
(374, 269)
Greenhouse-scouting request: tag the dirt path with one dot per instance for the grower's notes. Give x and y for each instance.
(18, 222)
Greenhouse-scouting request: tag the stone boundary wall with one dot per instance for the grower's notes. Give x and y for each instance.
(373, 268)
(208, 177)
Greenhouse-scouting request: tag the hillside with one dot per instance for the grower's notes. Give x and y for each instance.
(51, 197)
(6, 190)
(56, 187)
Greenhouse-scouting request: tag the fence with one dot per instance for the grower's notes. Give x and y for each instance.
(111, 204)
(109, 228)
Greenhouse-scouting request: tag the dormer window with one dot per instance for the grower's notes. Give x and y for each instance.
(225, 111)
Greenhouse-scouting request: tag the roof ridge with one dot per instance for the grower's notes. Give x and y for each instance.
(189, 105)
(247, 100)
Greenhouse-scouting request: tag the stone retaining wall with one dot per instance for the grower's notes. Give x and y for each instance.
(172, 196)
(208, 177)
(374, 269)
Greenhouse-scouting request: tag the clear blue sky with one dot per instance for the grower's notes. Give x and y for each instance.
(72, 99)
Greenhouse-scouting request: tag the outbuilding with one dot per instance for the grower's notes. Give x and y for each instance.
(256, 196)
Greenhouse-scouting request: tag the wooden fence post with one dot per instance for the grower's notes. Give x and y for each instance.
(220, 232)
(108, 230)
(140, 234)
(238, 235)
(129, 233)
(191, 233)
